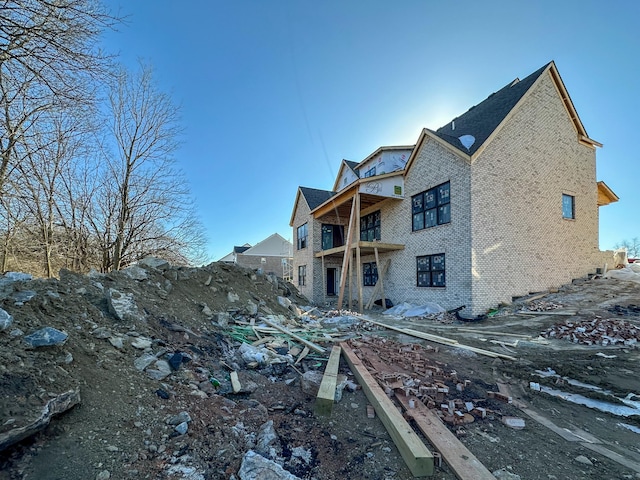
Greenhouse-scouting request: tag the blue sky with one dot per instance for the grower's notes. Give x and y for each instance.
(274, 94)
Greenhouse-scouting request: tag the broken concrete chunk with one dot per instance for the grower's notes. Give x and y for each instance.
(182, 428)
(141, 343)
(284, 301)
(144, 361)
(232, 297)
(136, 272)
(182, 417)
(161, 371)
(154, 262)
(46, 337)
(206, 311)
(117, 342)
(514, 422)
(256, 467)
(122, 305)
(268, 443)
(5, 320)
(311, 381)
(222, 318)
(252, 308)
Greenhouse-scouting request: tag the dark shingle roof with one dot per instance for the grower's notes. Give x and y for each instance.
(237, 249)
(315, 197)
(352, 165)
(480, 121)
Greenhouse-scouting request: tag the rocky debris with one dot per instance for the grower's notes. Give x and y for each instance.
(5, 320)
(46, 337)
(598, 331)
(122, 305)
(256, 467)
(541, 306)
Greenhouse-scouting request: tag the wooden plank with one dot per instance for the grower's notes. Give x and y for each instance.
(347, 254)
(235, 382)
(327, 391)
(309, 344)
(415, 454)
(358, 264)
(442, 340)
(380, 278)
(305, 352)
(463, 463)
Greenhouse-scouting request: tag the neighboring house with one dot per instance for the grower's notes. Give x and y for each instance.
(500, 202)
(271, 255)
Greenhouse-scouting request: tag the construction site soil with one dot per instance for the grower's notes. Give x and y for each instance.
(103, 404)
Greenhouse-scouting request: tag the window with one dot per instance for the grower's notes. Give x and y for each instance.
(431, 208)
(370, 173)
(370, 227)
(370, 274)
(568, 206)
(302, 275)
(430, 270)
(302, 236)
(332, 236)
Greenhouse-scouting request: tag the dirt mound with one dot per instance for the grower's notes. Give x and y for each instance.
(137, 382)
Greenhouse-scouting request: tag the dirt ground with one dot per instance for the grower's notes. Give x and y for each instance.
(124, 422)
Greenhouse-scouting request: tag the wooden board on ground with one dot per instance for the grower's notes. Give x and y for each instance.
(327, 391)
(414, 452)
(309, 344)
(235, 382)
(464, 464)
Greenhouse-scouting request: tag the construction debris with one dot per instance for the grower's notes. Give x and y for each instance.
(598, 331)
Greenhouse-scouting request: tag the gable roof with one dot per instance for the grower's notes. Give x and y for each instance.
(312, 196)
(481, 120)
(315, 197)
(352, 165)
(273, 246)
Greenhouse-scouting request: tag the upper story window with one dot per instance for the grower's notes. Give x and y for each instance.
(332, 236)
(568, 206)
(431, 208)
(370, 227)
(430, 271)
(302, 236)
(370, 173)
(370, 274)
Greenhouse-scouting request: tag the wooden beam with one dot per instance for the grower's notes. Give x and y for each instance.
(358, 261)
(442, 340)
(347, 254)
(463, 463)
(327, 392)
(324, 282)
(415, 454)
(380, 278)
(376, 289)
(309, 344)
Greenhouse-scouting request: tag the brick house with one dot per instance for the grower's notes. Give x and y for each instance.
(500, 202)
(271, 255)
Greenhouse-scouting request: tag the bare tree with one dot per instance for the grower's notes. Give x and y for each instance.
(48, 58)
(632, 246)
(144, 205)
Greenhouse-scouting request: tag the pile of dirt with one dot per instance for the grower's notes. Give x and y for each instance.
(129, 375)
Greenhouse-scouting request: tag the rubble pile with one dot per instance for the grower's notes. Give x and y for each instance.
(598, 331)
(541, 306)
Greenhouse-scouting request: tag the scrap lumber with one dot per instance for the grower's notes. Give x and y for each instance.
(304, 353)
(415, 454)
(327, 391)
(347, 253)
(489, 332)
(235, 382)
(378, 286)
(441, 340)
(463, 463)
(309, 344)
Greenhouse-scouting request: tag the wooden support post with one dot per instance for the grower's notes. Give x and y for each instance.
(324, 282)
(358, 261)
(350, 280)
(380, 278)
(376, 289)
(415, 454)
(347, 252)
(463, 463)
(327, 392)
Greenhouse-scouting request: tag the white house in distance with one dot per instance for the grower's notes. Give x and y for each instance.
(271, 255)
(498, 203)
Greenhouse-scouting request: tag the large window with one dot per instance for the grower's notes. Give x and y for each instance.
(568, 206)
(370, 173)
(302, 236)
(431, 208)
(332, 236)
(370, 274)
(370, 227)
(430, 270)
(302, 275)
